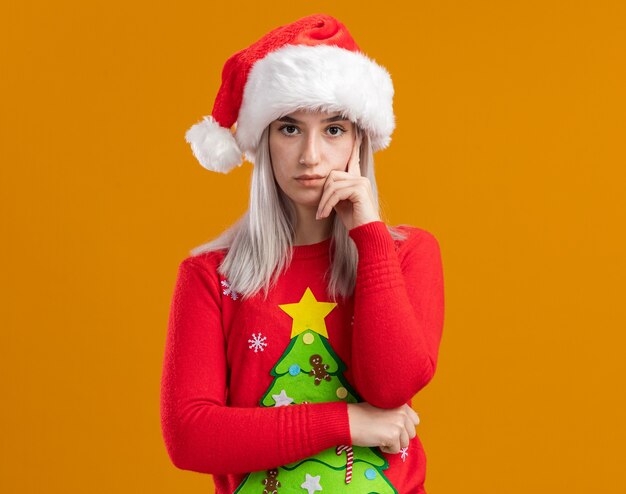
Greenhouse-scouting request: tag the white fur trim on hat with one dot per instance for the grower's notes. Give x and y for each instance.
(320, 77)
(214, 146)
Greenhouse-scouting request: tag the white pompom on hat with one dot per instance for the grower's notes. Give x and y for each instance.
(312, 63)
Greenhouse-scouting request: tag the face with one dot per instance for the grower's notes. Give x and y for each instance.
(305, 143)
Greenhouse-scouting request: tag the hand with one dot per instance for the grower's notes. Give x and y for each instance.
(349, 193)
(389, 429)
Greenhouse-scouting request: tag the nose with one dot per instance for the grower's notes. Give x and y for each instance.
(310, 155)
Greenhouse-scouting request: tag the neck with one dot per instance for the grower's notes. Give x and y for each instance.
(308, 229)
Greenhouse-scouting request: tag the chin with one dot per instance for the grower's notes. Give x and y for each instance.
(307, 200)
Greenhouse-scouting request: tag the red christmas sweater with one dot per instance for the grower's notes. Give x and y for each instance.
(254, 391)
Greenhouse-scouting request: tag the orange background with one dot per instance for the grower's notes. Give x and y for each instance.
(509, 147)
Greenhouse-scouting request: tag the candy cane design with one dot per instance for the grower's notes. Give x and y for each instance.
(350, 460)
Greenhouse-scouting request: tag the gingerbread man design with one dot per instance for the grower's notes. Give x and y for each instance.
(319, 369)
(271, 483)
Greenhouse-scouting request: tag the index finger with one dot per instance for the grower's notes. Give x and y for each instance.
(413, 414)
(354, 167)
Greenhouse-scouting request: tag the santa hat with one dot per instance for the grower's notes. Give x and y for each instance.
(312, 63)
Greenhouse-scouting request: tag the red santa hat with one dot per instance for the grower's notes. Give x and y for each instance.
(312, 63)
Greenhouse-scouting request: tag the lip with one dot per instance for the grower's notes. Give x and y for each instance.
(309, 177)
(310, 182)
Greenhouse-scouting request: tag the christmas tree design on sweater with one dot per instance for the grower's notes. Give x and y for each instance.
(309, 371)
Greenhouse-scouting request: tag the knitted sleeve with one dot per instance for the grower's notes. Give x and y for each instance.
(201, 433)
(398, 314)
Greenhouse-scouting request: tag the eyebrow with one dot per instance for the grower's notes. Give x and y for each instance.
(336, 118)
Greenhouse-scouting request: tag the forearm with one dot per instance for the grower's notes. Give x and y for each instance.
(214, 439)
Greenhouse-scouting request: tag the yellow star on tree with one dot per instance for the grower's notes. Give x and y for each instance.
(308, 314)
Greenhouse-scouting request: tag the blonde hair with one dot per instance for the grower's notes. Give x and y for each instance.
(259, 244)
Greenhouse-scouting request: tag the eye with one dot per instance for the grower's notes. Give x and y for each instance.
(285, 127)
(337, 128)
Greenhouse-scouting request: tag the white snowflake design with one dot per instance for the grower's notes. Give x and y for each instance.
(257, 342)
(405, 453)
(228, 291)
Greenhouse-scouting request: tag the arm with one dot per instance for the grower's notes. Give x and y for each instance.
(398, 314)
(201, 433)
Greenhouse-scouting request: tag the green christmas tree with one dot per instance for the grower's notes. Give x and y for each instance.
(309, 371)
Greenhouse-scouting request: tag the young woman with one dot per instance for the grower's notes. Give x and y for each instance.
(298, 338)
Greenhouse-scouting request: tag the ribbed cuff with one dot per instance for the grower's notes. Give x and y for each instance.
(372, 240)
(328, 425)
